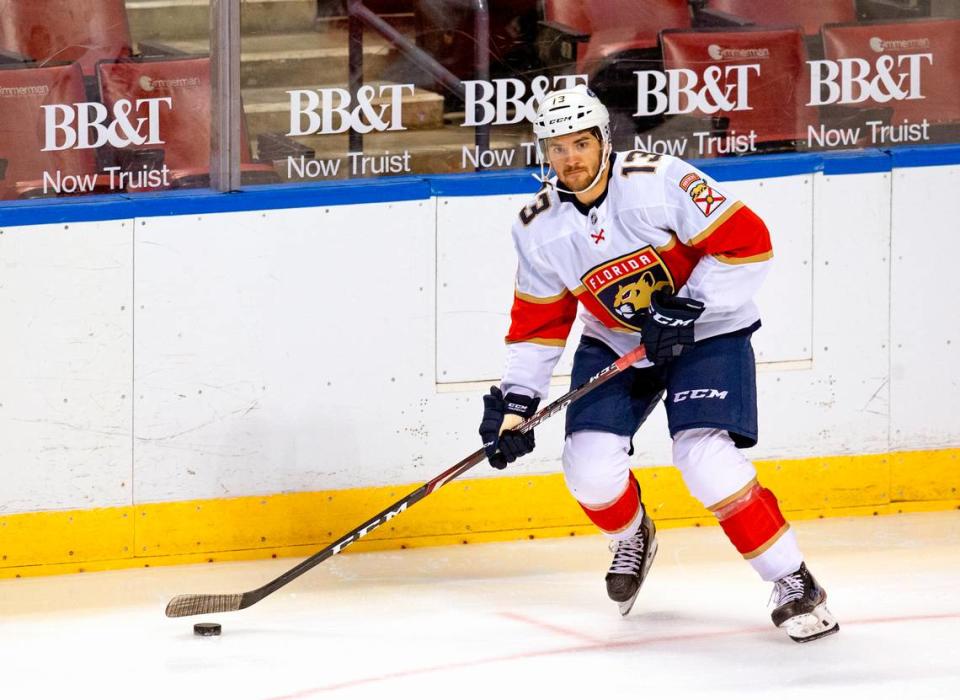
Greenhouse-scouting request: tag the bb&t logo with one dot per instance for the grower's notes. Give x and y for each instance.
(85, 125)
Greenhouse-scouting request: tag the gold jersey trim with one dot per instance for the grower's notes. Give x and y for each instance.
(730, 260)
(703, 235)
(768, 544)
(541, 300)
(733, 497)
(553, 342)
(669, 245)
(604, 506)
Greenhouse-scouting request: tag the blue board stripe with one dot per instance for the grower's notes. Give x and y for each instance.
(110, 207)
(855, 162)
(520, 181)
(175, 203)
(760, 167)
(922, 156)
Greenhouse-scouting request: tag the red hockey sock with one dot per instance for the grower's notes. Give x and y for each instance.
(617, 515)
(752, 519)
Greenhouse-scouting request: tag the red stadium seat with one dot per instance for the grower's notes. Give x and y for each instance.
(184, 124)
(777, 91)
(809, 15)
(23, 93)
(59, 31)
(574, 15)
(615, 26)
(939, 38)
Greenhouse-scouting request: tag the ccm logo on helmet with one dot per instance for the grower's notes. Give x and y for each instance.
(558, 120)
(699, 394)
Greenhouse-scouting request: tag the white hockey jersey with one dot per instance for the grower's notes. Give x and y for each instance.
(661, 224)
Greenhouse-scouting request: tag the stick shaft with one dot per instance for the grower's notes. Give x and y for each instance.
(177, 609)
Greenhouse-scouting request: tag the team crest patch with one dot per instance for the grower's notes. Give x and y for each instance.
(707, 199)
(688, 180)
(623, 286)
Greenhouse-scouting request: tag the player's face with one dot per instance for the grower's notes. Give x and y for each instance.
(576, 158)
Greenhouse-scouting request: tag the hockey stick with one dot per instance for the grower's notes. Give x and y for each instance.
(203, 603)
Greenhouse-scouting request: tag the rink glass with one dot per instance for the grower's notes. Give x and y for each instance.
(103, 97)
(107, 96)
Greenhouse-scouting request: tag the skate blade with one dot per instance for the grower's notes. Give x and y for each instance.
(627, 605)
(811, 626)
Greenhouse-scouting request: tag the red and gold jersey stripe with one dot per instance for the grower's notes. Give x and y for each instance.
(680, 260)
(737, 237)
(598, 310)
(542, 320)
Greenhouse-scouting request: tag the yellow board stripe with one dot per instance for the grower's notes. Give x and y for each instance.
(468, 510)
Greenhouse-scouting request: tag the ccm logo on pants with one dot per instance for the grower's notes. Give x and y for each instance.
(699, 394)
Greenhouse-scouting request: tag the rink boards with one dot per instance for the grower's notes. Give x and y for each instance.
(231, 376)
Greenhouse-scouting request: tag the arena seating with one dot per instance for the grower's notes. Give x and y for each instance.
(60, 31)
(938, 37)
(809, 15)
(610, 28)
(23, 92)
(777, 95)
(445, 30)
(570, 15)
(185, 126)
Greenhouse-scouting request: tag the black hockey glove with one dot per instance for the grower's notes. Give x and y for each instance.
(668, 329)
(503, 413)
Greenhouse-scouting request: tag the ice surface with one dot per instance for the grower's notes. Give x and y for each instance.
(511, 620)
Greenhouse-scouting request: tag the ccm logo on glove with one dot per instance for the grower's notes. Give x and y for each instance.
(668, 328)
(671, 322)
(501, 414)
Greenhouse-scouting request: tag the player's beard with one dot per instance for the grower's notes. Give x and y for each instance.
(581, 178)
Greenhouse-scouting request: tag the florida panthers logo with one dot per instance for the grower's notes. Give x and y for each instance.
(633, 298)
(623, 286)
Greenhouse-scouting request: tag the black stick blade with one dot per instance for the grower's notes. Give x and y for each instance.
(202, 604)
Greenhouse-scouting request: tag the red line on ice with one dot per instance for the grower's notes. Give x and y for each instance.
(552, 628)
(592, 646)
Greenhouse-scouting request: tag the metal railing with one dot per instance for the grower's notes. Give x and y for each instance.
(360, 15)
(225, 145)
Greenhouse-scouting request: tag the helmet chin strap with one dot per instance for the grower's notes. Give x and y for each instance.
(544, 177)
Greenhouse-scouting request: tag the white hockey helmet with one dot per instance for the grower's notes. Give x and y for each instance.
(568, 111)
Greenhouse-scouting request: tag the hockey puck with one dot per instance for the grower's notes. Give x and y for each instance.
(207, 629)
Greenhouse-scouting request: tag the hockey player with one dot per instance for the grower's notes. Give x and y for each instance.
(652, 251)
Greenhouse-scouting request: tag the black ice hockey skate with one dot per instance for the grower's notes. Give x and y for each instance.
(631, 562)
(801, 608)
